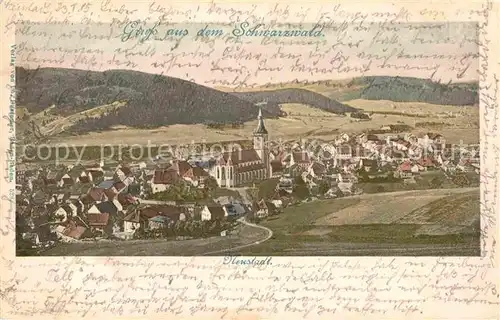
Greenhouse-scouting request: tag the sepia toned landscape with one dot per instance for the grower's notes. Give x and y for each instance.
(197, 140)
(311, 175)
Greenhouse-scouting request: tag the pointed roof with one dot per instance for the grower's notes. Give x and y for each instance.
(261, 128)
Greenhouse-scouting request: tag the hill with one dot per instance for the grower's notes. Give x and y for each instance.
(295, 95)
(55, 95)
(148, 100)
(397, 89)
(404, 89)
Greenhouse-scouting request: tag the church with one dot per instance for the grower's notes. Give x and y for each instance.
(238, 167)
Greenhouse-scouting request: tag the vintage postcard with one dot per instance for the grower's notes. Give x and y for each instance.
(241, 160)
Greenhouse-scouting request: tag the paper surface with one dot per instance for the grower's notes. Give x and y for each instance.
(341, 44)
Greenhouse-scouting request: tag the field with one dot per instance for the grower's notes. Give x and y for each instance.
(409, 207)
(454, 122)
(430, 222)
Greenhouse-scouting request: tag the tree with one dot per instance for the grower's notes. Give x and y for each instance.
(324, 187)
(300, 191)
(197, 230)
(363, 175)
(360, 115)
(436, 182)
(211, 184)
(461, 180)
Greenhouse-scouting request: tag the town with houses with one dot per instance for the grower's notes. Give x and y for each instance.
(210, 195)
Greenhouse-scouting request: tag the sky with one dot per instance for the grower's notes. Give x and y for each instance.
(442, 52)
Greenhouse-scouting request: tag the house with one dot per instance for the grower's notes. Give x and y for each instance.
(213, 212)
(415, 151)
(119, 186)
(99, 222)
(95, 195)
(234, 210)
(344, 177)
(404, 170)
(159, 222)
(32, 237)
(399, 156)
(240, 209)
(72, 231)
(111, 206)
(126, 199)
(77, 191)
(67, 210)
(181, 167)
(172, 212)
(411, 138)
(344, 152)
(224, 200)
(430, 138)
(163, 179)
(426, 162)
(344, 137)
(265, 209)
(369, 165)
(404, 145)
(70, 178)
(54, 178)
(276, 168)
(386, 128)
(281, 198)
(302, 159)
(134, 220)
(106, 184)
(111, 193)
(122, 172)
(285, 184)
(196, 176)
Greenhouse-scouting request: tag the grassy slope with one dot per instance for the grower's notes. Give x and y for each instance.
(292, 229)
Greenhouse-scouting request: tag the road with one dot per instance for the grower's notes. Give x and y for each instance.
(243, 221)
(154, 202)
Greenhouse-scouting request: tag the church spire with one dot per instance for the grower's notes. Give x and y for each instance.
(261, 128)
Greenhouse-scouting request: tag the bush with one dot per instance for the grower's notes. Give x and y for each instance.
(461, 180)
(360, 115)
(436, 182)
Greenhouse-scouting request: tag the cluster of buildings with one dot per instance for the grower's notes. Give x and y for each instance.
(72, 202)
(340, 161)
(349, 158)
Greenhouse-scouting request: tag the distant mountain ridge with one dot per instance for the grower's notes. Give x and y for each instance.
(406, 89)
(94, 101)
(147, 100)
(295, 95)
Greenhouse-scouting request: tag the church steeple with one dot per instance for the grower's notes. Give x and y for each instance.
(261, 128)
(260, 144)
